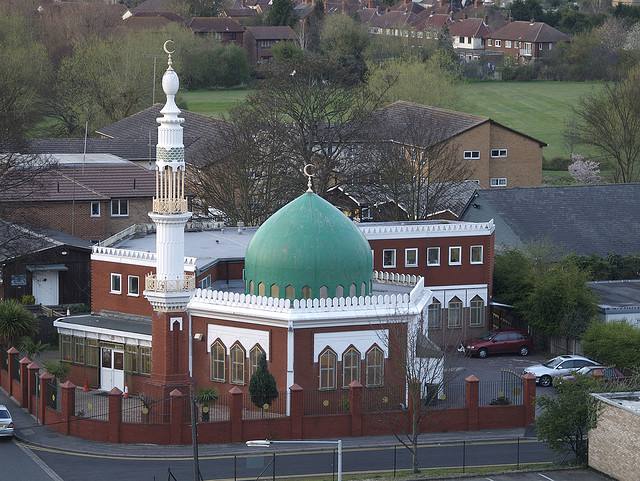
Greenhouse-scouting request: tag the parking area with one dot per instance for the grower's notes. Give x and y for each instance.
(562, 475)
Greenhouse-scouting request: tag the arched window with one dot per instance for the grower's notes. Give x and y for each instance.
(477, 312)
(455, 313)
(328, 361)
(363, 289)
(237, 364)
(353, 290)
(324, 292)
(251, 287)
(261, 289)
(254, 359)
(434, 313)
(306, 292)
(275, 290)
(339, 291)
(218, 357)
(350, 366)
(290, 292)
(375, 367)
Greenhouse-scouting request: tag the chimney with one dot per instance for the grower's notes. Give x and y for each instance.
(486, 20)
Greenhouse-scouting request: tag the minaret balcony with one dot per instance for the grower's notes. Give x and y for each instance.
(152, 283)
(169, 206)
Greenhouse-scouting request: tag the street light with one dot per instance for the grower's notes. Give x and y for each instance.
(265, 443)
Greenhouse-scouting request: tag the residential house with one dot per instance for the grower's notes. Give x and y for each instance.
(151, 7)
(618, 300)
(469, 36)
(259, 41)
(525, 41)
(223, 29)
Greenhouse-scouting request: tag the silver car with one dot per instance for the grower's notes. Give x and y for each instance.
(6, 422)
(557, 367)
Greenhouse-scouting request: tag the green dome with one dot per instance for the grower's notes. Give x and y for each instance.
(308, 249)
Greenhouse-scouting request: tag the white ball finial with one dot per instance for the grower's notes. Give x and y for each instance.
(170, 82)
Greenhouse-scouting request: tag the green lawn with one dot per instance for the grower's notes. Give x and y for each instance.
(214, 103)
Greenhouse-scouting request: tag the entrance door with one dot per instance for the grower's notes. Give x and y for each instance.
(111, 369)
(44, 286)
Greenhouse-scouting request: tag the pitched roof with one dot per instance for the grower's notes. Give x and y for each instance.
(147, 22)
(154, 6)
(272, 33)
(241, 12)
(129, 149)
(530, 32)
(469, 27)
(617, 294)
(17, 240)
(214, 24)
(590, 219)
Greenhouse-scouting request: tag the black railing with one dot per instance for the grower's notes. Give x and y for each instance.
(326, 402)
(449, 395)
(277, 408)
(501, 393)
(52, 394)
(387, 398)
(92, 405)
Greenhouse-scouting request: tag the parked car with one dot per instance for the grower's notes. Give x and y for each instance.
(607, 373)
(6, 422)
(558, 367)
(495, 342)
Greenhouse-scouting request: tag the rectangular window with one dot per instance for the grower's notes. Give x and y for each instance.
(507, 44)
(498, 182)
(411, 257)
(433, 256)
(78, 350)
(490, 42)
(471, 154)
(498, 43)
(476, 254)
(116, 283)
(145, 360)
(388, 258)
(92, 352)
(133, 286)
(131, 358)
(365, 213)
(468, 39)
(205, 282)
(119, 208)
(95, 209)
(66, 347)
(461, 40)
(498, 153)
(455, 256)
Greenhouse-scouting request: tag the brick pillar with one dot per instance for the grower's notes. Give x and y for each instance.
(472, 397)
(176, 415)
(45, 377)
(355, 406)
(68, 404)
(32, 371)
(24, 381)
(115, 414)
(297, 411)
(235, 414)
(529, 381)
(11, 355)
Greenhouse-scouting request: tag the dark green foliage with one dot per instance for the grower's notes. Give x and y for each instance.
(526, 10)
(627, 12)
(287, 52)
(215, 66)
(512, 276)
(345, 41)
(614, 344)
(205, 8)
(281, 13)
(315, 24)
(31, 348)
(610, 268)
(15, 322)
(262, 387)
(59, 369)
(206, 396)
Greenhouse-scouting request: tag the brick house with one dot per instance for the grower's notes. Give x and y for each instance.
(259, 40)
(525, 41)
(469, 37)
(223, 29)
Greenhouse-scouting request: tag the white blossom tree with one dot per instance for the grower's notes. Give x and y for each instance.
(584, 171)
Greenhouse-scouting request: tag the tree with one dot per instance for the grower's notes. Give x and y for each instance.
(584, 171)
(314, 25)
(15, 322)
(345, 41)
(281, 13)
(512, 276)
(205, 8)
(613, 343)
(526, 10)
(262, 386)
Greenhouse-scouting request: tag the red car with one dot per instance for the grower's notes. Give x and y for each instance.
(498, 342)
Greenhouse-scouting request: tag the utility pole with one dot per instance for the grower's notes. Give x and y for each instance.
(194, 434)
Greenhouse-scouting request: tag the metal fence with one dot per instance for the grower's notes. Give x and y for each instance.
(211, 412)
(4, 359)
(16, 368)
(52, 394)
(386, 398)
(326, 402)
(92, 405)
(143, 410)
(450, 395)
(277, 408)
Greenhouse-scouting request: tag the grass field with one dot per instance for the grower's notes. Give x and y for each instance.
(540, 109)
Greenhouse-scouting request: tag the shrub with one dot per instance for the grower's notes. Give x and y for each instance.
(557, 163)
(27, 300)
(262, 387)
(59, 369)
(613, 343)
(15, 322)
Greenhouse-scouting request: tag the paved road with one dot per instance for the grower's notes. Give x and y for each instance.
(73, 467)
(569, 475)
(21, 464)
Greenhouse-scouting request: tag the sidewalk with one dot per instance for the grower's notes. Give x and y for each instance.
(29, 432)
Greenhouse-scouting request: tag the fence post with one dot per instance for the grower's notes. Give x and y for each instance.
(176, 415)
(529, 381)
(32, 372)
(472, 400)
(355, 406)
(45, 377)
(24, 381)
(12, 352)
(115, 414)
(297, 411)
(235, 414)
(68, 404)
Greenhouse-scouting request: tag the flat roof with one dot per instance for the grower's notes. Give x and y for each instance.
(112, 323)
(629, 401)
(624, 294)
(88, 158)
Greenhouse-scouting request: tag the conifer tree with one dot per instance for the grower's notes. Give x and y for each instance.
(262, 387)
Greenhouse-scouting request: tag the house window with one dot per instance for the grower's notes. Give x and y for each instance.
(461, 40)
(328, 369)
(411, 257)
(471, 154)
(145, 360)
(306, 292)
(388, 258)
(455, 313)
(205, 282)
(468, 39)
(350, 366)
(498, 182)
(498, 153)
(476, 254)
(375, 367)
(433, 256)
(119, 208)
(130, 358)
(290, 292)
(365, 213)
(550, 46)
(95, 209)
(116, 283)
(92, 353)
(261, 289)
(498, 43)
(237, 364)
(476, 312)
(133, 286)
(434, 314)
(455, 256)
(254, 358)
(79, 350)
(275, 291)
(66, 347)
(490, 42)
(218, 358)
(507, 44)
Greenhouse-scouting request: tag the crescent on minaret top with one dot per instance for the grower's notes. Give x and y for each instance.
(165, 47)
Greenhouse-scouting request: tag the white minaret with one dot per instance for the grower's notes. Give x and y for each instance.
(169, 289)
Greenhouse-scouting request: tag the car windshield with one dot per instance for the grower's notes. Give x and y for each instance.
(553, 362)
(487, 336)
(4, 414)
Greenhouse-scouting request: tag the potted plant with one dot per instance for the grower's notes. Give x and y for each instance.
(204, 398)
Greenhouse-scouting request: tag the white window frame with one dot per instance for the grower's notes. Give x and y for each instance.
(498, 182)
(205, 282)
(119, 207)
(332, 370)
(478, 312)
(389, 266)
(490, 42)
(365, 213)
(94, 202)
(451, 249)
(481, 261)
(471, 155)
(129, 293)
(431, 264)
(498, 153)
(113, 276)
(498, 43)
(406, 263)
(507, 44)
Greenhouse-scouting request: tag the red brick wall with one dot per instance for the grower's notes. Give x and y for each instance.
(103, 299)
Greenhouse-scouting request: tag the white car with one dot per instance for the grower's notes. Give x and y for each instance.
(6, 422)
(557, 367)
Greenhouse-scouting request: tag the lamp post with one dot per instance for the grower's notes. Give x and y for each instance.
(265, 443)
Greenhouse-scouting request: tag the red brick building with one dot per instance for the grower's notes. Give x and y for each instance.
(525, 41)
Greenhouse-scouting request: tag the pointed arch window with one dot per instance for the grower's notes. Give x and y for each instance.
(350, 366)
(339, 291)
(290, 292)
(251, 288)
(434, 313)
(477, 311)
(328, 360)
(237, 364)
(324, 292)
(454, 313)
(254, 358)
(375, 367)
(353, 290)
(218, 358)
(275, 290)
(306, 292)
(261, 289)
